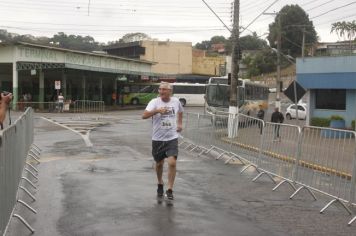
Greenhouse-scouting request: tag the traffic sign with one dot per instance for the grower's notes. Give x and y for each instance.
(57, 84)
(289, 92)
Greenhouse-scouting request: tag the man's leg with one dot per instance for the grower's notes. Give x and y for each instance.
(159, 171)
(278, 126)
(171, 171)
(260, 126)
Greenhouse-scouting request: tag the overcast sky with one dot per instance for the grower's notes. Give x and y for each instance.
(177, 20)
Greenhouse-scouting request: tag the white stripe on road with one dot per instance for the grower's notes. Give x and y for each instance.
(84, 136)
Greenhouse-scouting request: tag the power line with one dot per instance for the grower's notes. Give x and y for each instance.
(134, 14)
(121, 5)
(292, 42)
(121, 11)
(108, 30)
(320, 5)
(254, 5)
(341, 18)
(308, 3)
(129, 26)
(334, 9)
(243, 7)
(260, 14)
(217, 16)
(255, 9)
(155, 11)
(111, 30)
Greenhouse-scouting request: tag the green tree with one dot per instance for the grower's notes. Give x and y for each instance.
(260, 63)
(218, 39)
(5, 36)
(345, 29)
(293, 20)
(248, 42)
(252, 42)
(204, 45)
(75, 42)
(132, 37)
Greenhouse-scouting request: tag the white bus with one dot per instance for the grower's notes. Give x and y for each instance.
(251, 95)
(189, 94)
(218, 80)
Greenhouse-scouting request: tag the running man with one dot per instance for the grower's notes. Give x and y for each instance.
(167, 117)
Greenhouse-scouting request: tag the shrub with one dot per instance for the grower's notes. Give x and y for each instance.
(336, 117)
(320, 121)
(353, 124)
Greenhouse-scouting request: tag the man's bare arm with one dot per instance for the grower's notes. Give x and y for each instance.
(147, 114)
(4, 103)
(180, 121)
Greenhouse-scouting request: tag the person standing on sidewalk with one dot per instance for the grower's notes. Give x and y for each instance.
(4, 103)
(277, 117)
(60, 102)
(261, 116)
(167, 118)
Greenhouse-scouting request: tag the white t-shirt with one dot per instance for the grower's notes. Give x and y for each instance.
(165, 125)
(60, 99)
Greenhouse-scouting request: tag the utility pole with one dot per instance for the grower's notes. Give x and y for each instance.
(279, 42)
(235, 57)
(278, 80)
(234, 92)
(303, 43)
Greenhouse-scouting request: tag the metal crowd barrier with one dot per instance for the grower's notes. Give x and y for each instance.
(201, 133)
(16, 173)
(190, 131)
(76, 106)
(220, 139)
(88, 106)
(312, 158)
(326, 164)
(278, 153)
(43, 106)
(247, 142)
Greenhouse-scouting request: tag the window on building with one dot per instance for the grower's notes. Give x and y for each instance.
(333, 99)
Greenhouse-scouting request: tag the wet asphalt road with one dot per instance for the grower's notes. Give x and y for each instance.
(109, 189)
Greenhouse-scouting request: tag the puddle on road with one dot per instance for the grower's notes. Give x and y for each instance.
(52, 158)
(95, 158)
(49, 158)
(99, 169)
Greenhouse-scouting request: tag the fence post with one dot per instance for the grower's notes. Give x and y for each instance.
(297, 155)
(353, 179)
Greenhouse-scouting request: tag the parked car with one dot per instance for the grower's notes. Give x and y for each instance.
(272, 90)
(291, 111)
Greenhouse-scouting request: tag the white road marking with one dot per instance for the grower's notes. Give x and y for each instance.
(85, 136)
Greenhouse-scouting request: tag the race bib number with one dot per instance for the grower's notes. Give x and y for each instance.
(168, 120)
(167, 123)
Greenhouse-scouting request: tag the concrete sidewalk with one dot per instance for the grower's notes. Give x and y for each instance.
(110, 189)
